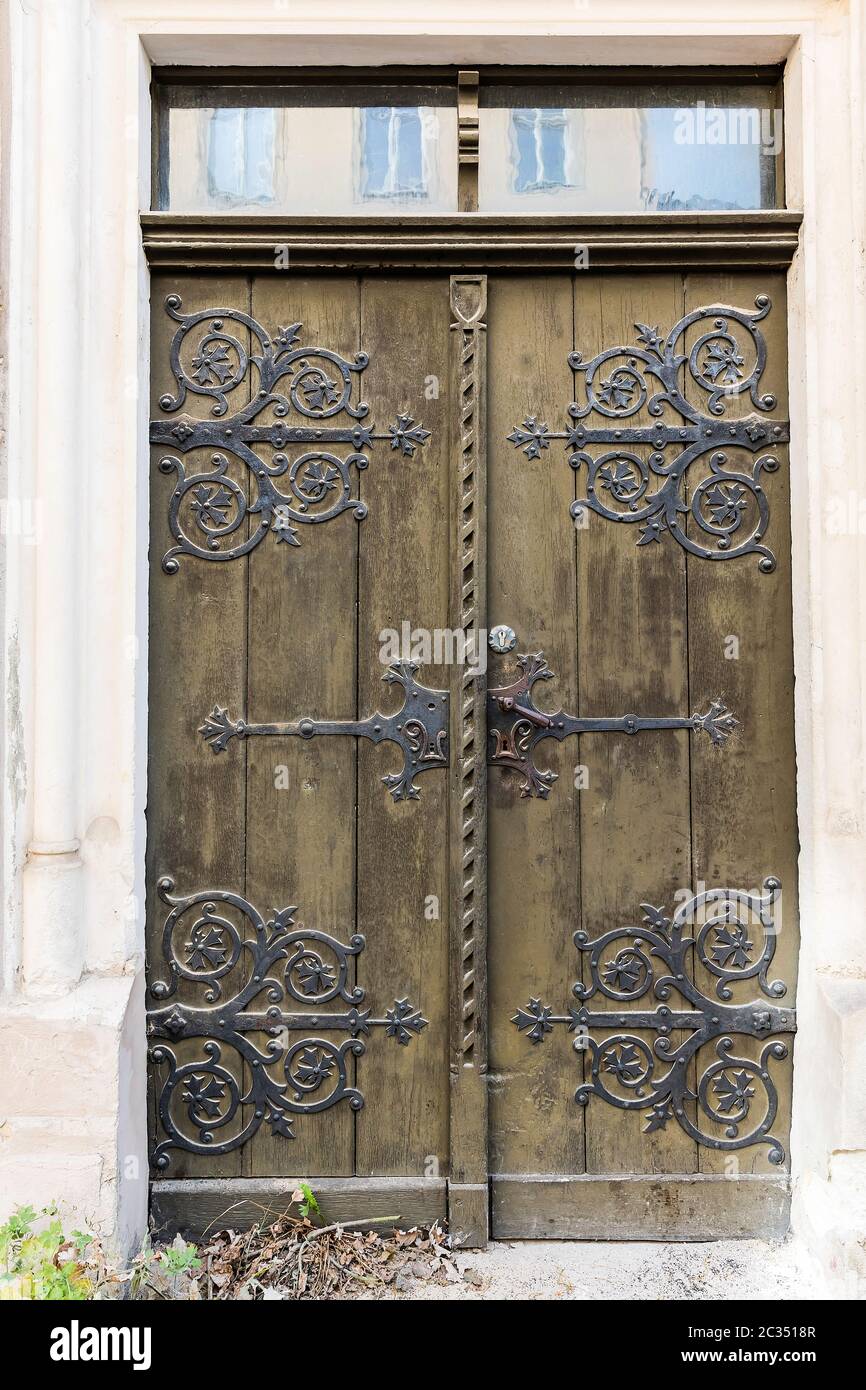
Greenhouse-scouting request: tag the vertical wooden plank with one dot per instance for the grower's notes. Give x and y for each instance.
(468, 1195)
(197, 650)
(743, 804)
(403, 847)
(534, 849)
(302, 640)
(634, 843)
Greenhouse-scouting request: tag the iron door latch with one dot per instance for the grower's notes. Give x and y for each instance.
(516, 726)
(419, 728)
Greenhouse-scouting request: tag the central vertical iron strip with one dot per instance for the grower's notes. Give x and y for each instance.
(468, 1191)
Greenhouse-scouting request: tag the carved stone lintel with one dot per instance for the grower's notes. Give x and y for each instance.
(485, 242)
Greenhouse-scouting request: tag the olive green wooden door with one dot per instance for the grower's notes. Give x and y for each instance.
(298, 899)
(639, 825)
(353, 475)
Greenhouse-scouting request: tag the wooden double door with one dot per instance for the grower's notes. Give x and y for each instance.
(471, 813)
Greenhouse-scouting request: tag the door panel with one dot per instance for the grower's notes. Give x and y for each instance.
(314, 1042)
(632, 637)
(533, 845)
(197, 648)
(744, 805)
(652, 629)
(300, 839)
(403, 847)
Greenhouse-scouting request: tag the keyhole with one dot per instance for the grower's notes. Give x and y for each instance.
(502, 638)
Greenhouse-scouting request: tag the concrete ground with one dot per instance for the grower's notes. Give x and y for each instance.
(727, 1269)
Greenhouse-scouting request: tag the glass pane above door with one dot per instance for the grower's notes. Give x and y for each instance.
(305, 149)
(667, 148)
(573, 142)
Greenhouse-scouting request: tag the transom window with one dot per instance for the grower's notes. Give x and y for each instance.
(574, 141)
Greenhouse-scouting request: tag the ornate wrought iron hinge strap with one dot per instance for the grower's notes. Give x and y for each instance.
(284, 961)
(318, 386)
(729, 506)
(516, 726)
(627, 963)
(419, 728)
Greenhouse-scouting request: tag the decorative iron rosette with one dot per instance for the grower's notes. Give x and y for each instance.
(733, 934)
(635, 480)
(216, 513)
(262, 1060)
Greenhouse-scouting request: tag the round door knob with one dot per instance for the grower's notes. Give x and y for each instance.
(502, 638)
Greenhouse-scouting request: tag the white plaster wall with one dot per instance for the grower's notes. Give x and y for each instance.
(75, 147)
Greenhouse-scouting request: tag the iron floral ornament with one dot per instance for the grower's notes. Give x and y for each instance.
(209, 1105)
(736, 1097)
(728, 507)
(208, 509)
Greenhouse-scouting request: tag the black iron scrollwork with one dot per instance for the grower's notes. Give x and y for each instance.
(516, 726)
(316, 385)
(207, 1105)
(735, 1095)
(729, 506)
(419, 728)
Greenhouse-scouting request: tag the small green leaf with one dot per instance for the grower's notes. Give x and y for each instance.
(309, 1206)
